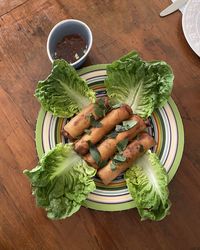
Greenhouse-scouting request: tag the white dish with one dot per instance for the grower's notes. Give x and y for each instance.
(67, 27)
(191, 24)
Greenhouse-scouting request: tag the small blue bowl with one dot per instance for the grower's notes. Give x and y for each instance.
(69, 27)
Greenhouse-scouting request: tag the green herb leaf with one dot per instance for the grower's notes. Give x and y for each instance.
(102, 163)
(112, 135)
(113, 166)
(94, 153)
(94, 123)
(87, 131)
(100, 102)
(119, 128)
(126, 125)
(122, 145)
(100, 109)
(129, 124)
(119, 158)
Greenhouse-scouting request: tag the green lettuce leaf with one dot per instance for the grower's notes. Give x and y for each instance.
(143, 85)
(64, 93)
(61, 181)
(147, 182)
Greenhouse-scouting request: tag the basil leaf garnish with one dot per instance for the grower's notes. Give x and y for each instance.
(122, 145)
(94, 152)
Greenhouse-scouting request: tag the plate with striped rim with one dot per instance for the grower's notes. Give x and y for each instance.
(165, 126)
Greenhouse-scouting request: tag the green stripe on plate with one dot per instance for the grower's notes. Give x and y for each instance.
(38, 133)
(180, 146)
(109, 207)
(91, 68)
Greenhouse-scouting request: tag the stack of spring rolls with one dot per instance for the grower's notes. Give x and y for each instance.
(138, 141)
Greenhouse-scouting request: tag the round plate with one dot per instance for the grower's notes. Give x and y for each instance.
(166, 127)
(191, 24)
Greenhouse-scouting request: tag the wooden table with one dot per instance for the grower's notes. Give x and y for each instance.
(118, 27)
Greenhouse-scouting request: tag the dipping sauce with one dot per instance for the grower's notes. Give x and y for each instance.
(71, 48)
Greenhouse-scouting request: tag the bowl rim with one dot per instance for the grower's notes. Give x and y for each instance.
(65, 21)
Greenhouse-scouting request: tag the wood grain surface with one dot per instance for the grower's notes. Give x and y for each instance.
(118, 27)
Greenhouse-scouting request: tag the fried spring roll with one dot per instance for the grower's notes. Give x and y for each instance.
(114, 117)
(108, 147)
(80, 122)
(134, 150)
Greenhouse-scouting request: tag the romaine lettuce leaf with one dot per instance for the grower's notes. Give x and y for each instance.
(64, 93)
(143, 85)
(164, 77)
(61, 181)
(147, 183)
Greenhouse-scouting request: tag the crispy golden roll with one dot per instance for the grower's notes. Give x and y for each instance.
(134, 150)
(114, 117)
(80, 122)
(108, 147)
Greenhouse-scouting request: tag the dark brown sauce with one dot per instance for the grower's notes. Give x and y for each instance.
(71, 48)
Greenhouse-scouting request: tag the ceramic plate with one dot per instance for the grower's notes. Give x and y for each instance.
(166, 127)
(191, 24)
